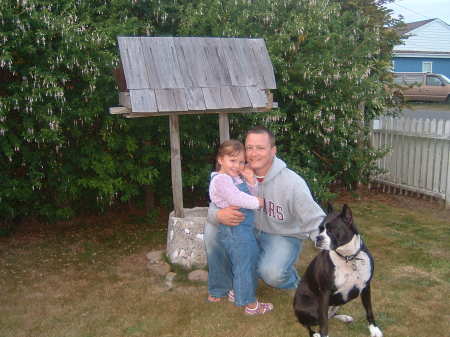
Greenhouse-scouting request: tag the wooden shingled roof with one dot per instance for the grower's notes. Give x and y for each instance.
(195, 75)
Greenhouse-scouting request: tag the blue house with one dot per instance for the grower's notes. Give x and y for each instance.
(427, 49)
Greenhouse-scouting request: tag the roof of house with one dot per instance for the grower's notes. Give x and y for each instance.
(426, 38)
(413, 25)
(170, 74)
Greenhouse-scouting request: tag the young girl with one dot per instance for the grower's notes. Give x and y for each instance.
(228, 189)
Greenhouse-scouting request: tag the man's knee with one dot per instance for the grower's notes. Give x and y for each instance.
(273, 276)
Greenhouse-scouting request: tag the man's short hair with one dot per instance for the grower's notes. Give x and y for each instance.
(262, 130)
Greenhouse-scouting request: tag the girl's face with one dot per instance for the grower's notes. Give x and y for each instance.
(232, 164)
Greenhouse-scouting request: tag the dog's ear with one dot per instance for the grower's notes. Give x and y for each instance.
(347, 214)
(329, 208)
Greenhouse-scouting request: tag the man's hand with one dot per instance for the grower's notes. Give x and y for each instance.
(230, 216)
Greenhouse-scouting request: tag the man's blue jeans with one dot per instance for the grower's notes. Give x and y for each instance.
(278, 255)
(275, 266)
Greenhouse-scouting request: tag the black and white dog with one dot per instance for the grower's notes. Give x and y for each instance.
(339, 273)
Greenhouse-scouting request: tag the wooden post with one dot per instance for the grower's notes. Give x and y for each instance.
(447, 192)
(224, 127)
(175, 161)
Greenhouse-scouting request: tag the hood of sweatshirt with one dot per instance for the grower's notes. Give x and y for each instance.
(277, 166)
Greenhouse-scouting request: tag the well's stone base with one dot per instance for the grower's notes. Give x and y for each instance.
(185, 245)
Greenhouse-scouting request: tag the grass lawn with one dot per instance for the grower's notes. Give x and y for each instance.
(89, 279)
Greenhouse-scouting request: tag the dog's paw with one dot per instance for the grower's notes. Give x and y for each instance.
(375, 331)
(318, 335)
(344, 318)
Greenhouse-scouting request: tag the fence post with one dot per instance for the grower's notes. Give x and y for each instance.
(447, 190)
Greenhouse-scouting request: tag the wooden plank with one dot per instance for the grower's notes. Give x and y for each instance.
(178, 113)
(439, 173)
(162, 62)
(248, 66)
(219, 98)
(236, 68)
(411, 189)
(411, 153)
(195, 69)
(143, 100)
(396, 152)
(117, 110)
(195, 99)
(264, 68)
(390, 166)
(402, 154)
(170, 100)
(184, 52)
(447, 192)
(446, 163)
(241, 97)
(133, 62)
(175, 161)
(215, 56)
(431, 155)
(424, 156)
(257, 97)
(418, 159)
(124, 99)
(224, 127)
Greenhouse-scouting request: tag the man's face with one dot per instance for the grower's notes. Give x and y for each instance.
(259, 153)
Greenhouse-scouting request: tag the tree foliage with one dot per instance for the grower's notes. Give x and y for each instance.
(61, 152)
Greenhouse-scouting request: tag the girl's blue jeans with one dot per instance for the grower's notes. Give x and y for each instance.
(275, 265)
(240, 244)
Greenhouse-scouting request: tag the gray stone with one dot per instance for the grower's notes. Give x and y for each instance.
(160, 269)
(169, 280)
(155, 256)
(198, 275)
(185, 245)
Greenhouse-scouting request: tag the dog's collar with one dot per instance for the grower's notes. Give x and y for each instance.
(352, 257)
(348, 258)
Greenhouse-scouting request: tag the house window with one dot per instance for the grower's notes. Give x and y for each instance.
(393, 66)
(427, 67)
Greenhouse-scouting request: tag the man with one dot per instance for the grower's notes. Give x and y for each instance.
(289, 216)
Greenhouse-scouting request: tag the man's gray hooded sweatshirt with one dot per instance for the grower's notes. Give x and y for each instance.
(289, 208)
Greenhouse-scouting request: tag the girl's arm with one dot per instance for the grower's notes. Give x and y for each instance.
(223, 189)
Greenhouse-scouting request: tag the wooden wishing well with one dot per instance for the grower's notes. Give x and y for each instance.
(192, 75)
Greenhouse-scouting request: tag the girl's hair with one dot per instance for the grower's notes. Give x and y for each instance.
(228, 148)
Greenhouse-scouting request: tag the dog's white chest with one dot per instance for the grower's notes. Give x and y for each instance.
(350, 274)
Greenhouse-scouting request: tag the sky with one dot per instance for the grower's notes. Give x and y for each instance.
(417, 10)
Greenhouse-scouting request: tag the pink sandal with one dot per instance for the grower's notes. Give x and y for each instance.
(230, 296)
(260, 309)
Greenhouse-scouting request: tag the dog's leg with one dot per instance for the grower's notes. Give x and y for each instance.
(343, 318)
(311, 331)
(332, 311)
(367, 303)
(324, 300)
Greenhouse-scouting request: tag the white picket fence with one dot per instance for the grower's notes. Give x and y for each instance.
(419, 157)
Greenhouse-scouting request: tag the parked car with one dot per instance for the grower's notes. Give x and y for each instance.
(423, 87)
